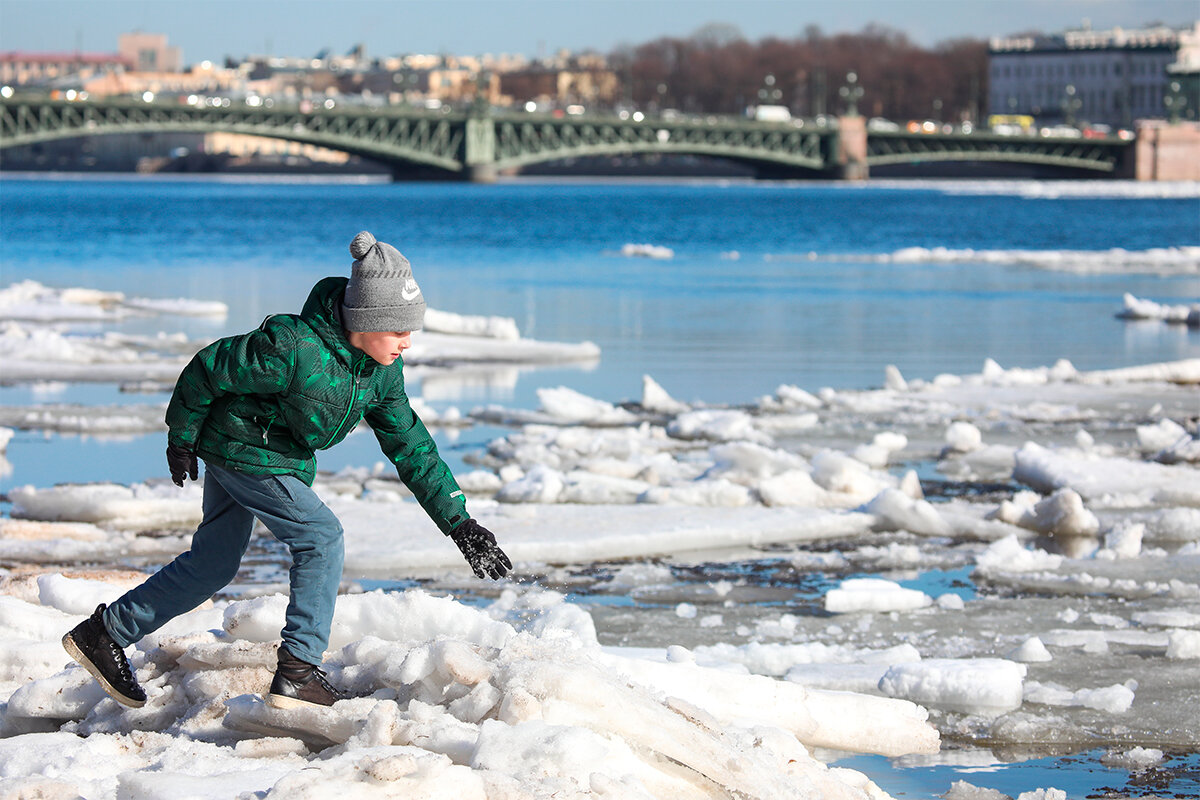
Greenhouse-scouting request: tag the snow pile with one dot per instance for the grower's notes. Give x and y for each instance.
(450, 702)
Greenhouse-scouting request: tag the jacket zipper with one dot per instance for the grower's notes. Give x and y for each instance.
(353, 398)
(266, 427)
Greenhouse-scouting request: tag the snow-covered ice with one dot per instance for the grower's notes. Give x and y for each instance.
(450, 701)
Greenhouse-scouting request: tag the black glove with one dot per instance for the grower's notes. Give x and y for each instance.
(182, 463)
(479, 548)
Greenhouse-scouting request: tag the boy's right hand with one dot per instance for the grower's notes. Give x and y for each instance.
(479, 548)
(182, 464)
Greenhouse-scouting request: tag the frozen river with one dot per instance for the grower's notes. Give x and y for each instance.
(896, 448)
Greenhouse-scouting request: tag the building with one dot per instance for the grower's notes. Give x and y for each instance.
(149, 52)
(1109, 77)
(54, 70)
(566, 81)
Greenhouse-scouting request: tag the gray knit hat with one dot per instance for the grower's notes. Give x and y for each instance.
(381, 294)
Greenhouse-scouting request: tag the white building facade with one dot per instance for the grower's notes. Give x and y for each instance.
(1109, 77)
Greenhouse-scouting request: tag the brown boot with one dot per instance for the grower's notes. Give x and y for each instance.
(298, 683)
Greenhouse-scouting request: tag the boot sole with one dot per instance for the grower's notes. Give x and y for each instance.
(284, 702)
(74, 652)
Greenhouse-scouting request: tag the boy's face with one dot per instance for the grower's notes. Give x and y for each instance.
(383, 346)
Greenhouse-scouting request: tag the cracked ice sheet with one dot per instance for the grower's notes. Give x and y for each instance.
(386, 537)
(454, 702)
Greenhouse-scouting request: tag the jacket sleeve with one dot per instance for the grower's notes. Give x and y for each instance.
(406, 442)
(259, 362)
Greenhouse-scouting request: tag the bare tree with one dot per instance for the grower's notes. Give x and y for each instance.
(716, 70)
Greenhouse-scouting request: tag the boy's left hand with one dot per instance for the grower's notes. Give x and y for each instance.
(182, 464)
(479, 548)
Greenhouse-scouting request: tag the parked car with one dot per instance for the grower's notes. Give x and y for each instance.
(1062, 132)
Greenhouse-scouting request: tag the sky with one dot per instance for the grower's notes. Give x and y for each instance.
(214, 29)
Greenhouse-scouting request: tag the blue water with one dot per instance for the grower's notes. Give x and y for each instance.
(1080, 775)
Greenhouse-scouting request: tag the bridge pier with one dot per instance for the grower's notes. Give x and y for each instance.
(851, 158)
(480, 173)
(1167, 151)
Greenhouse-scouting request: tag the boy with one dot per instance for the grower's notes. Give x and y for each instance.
(256, 407)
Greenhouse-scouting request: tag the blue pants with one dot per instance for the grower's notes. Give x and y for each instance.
(294, 515)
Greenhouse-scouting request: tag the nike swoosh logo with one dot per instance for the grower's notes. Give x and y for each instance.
(410, 290)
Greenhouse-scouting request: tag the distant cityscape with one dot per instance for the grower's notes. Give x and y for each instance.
(1077, 80)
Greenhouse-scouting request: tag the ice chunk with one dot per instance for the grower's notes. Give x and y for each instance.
(1007, 555)
(880, 450)
(1125, 539)
(1116, 481)
(1062, 513)
(1049, 793)
(1138, 758)
(655, 398)
(124, 507)
(893, 380)
(654, 251)
(1135, 308)
(1160, 436)
(963, 437)
(961, 790)
(895, 511)
(489, 327)
(1183, 644)
(721, 425)
(541, 484)
(1114, 699)
(1030, 651)
(873, 594)
(839, 473)
(792, 488)
(984, 686)
(568, 405)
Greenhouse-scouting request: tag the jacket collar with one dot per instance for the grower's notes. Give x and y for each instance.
(322, 312)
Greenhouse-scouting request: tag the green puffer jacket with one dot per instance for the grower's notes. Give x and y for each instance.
(265, 401)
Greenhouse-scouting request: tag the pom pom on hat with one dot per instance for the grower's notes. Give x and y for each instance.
(381, 294)
(360, 244)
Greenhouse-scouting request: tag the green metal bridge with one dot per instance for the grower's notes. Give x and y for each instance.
(476, 146)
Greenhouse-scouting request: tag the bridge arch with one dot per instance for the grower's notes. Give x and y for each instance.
(521, 141)
(405, 139)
